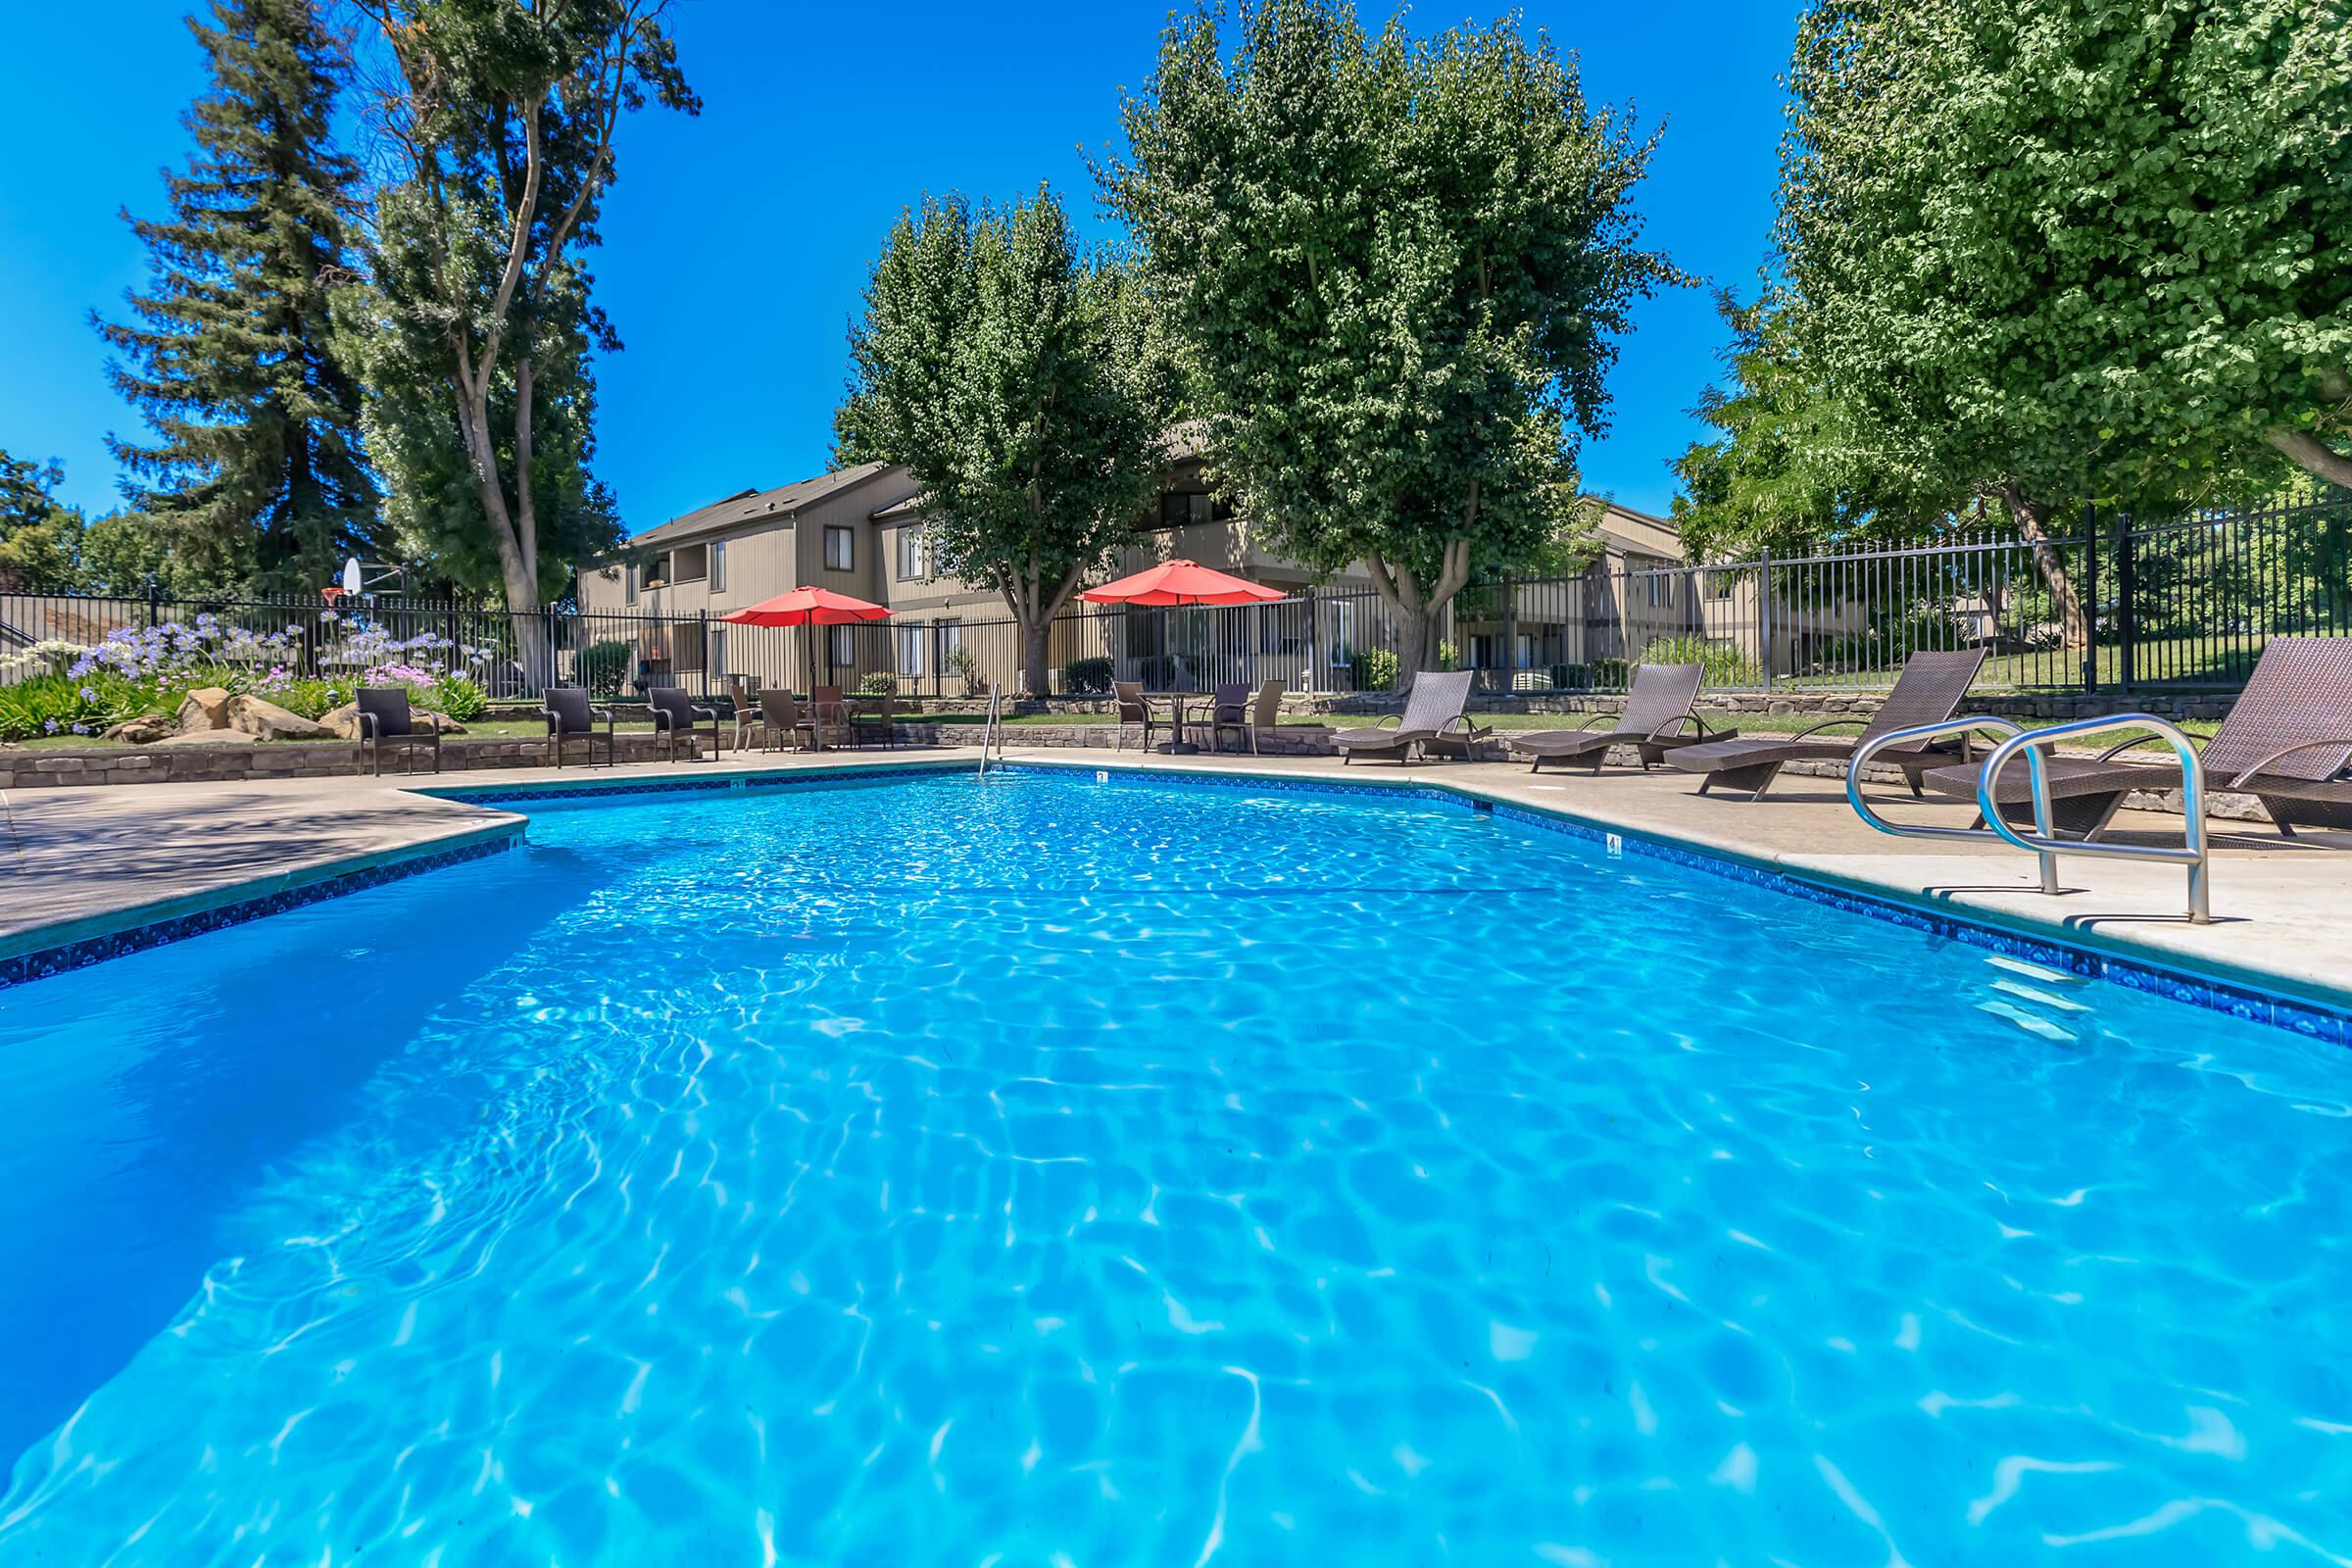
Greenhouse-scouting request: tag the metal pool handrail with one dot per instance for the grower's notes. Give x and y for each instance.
(992, 734)
(2193, 851)
(2042, 843)
(1936, 731)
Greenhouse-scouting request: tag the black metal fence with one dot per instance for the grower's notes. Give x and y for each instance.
(2109, 605)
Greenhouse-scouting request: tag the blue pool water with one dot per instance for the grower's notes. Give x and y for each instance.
(1052, 1172)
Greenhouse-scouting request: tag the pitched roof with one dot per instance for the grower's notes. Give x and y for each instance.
(751, 505)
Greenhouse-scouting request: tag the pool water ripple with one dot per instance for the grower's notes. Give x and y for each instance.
(1041, 1172)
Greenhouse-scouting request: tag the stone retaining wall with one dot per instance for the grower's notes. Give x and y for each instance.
(26, 768)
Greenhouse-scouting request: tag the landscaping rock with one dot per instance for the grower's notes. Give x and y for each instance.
(265, 720)
(145, 730)
(344, 722)
(205, 708)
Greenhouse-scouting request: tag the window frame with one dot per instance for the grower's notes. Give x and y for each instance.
(848, 547)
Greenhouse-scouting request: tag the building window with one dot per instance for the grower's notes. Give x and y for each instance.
(628, 585)
(840, 550)
(914, 563)
(841, 650)
(691, 563)
(719, 566)
(911, 649)
(1659, 590)
(951, 643)
(718, 649)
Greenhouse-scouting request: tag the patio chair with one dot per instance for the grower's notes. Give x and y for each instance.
(1227, 703)
(571, 716)
(828, 710)
(1657, 710)
(1262, 714)
(744, 703)
(2287, 742)
(1927, 692)
(386, 720)
(1129, 708)
(873, 721)
(674, 716)
(1433, 715)
(780, 715)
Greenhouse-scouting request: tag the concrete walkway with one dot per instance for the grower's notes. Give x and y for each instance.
(80, 863)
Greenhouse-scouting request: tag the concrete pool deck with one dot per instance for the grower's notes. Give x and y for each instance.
(81, 865)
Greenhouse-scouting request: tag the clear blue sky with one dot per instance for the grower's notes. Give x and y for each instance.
(736, 242)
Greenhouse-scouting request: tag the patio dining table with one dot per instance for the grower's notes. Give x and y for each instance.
(1178, 703)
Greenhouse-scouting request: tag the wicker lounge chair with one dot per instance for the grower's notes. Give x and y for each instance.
(386, 720)
(570, 716)
(1258, 717)
(674, 716)
(1129, 708)
(2287, 742)
(1927, 692)
(1432, 717)
(1656, 712)
(781, 716)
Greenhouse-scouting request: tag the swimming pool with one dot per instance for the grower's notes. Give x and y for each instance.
(1044, 1171)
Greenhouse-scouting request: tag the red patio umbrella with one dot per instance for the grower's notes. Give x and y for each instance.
(807, 606)
(1181, 582)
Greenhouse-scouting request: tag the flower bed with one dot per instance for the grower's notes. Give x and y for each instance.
(62, 688)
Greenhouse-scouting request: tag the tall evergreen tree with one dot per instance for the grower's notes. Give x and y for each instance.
(257, 468)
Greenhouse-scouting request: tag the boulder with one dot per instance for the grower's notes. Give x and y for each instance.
(344, 722)
(205, 708)
(265, 720)
(145, 730)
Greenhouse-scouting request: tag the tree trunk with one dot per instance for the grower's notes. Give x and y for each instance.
(1414, 611)
(1034, 640)
(2051, 566)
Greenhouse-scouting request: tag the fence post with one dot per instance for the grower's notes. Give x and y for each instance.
(703, 616)
(2126, 654)
(1764, 616)
(155, 602)
(1314, 644)
(1510, 635)
(2090, 597)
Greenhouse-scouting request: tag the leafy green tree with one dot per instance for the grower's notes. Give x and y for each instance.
(501, 117)
(1399, 268)
(2077, 251)
(1015, 379)
(40, 537)
(1788, 472)
(257, 466)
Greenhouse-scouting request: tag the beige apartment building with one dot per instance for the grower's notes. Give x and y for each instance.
(859, 531)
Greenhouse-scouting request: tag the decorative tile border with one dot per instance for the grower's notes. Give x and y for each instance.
(45, 961)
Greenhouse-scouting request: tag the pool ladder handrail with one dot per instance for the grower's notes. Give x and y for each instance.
(992, 734)
(2043, 844)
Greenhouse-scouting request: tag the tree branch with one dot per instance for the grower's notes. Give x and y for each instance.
(2313, 456)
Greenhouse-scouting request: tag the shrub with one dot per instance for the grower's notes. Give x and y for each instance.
(459, 696)
(1374, 670)
(1722, 664)
(966, 669)
(1448, 657)
(1569, 677)
(602, 668)
(66, 705)
(1160, 672)
(878, 684)
(1609, 674)
(1084, 676)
